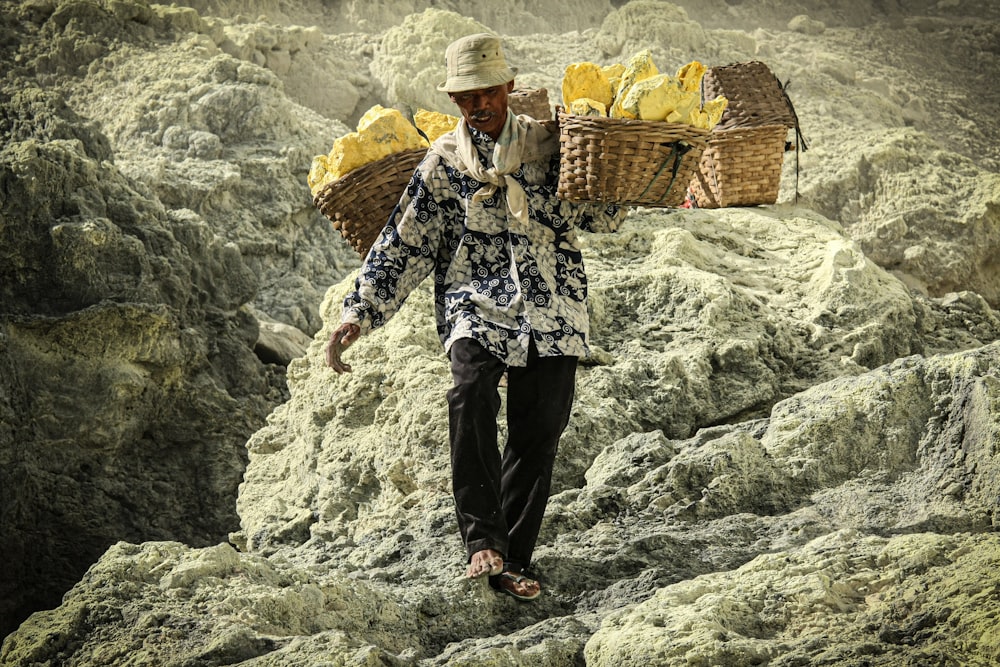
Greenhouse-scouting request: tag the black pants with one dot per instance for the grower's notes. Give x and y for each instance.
(500, 501)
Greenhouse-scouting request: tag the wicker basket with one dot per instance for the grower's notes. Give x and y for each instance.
(532, 102)
(755, 95)
(629, 162)
(360, 203)
(741, 166)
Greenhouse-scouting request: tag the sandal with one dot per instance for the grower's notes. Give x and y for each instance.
(516, 585)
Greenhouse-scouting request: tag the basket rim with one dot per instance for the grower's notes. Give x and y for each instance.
(631, 123)
(362, 173)
(737, 131)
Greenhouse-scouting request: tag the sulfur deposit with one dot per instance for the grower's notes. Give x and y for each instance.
(434, 123)
(381, 132)
(587, 81)
(638, 91)
(784, 445)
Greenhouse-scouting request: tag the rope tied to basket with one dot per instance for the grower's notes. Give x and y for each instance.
(800, 140)
(678, 150)
(627, 161)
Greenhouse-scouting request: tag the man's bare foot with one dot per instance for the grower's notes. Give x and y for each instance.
(516, 585)
(486, 561)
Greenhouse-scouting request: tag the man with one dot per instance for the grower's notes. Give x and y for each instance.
(480, 212)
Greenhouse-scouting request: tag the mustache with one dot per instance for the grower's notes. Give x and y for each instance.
(480, 116)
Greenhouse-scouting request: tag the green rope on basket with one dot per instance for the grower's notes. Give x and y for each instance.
(677, 152)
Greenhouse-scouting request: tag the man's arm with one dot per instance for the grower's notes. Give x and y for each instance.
(399, 260)
(602, 218)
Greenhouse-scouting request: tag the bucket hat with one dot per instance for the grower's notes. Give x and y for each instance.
(474, 62)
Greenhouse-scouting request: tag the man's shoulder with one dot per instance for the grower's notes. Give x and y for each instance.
(433, 160)
(541, 138)
(549, 126)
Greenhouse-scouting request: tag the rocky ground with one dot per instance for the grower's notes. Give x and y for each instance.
(784, 449)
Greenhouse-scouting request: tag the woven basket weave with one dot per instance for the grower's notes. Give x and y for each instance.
(532, 102)
(741, 166)
(629, 162)
(755, 95)
(360, 203)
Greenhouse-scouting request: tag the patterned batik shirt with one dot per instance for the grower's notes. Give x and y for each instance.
(496, 280)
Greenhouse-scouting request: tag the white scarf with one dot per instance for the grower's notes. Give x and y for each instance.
(523, 139)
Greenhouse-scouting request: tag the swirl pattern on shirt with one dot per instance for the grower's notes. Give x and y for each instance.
(496, 280)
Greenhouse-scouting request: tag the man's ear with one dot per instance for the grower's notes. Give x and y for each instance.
(510, 86)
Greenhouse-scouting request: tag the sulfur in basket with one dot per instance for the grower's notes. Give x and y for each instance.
(360, 203)
(629, 162)
(742, 162)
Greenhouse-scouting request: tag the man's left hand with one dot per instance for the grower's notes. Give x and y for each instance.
(340, 340)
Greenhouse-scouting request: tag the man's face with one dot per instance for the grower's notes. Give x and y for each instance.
(485, 108)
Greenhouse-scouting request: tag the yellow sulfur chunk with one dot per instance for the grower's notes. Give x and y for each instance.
(434, 124)
(658, 98)
(614, 74)
(586, 80)
(709, 115)
(688, 104)
(699, 118)
(355, 150)
(381, 133)
(713, 110)
(585, 106)
(318, 174)
(640, 67)
(690, 76)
